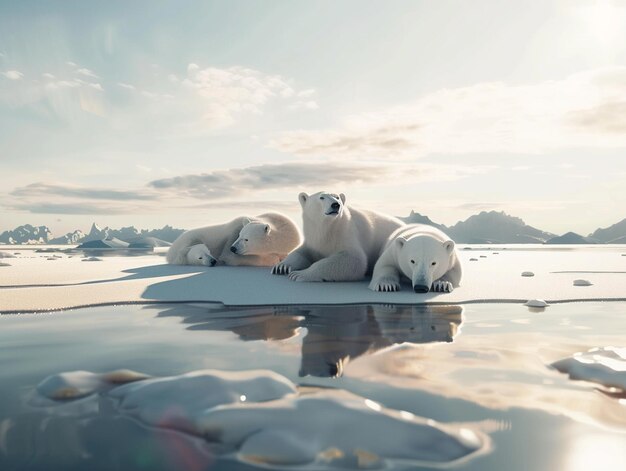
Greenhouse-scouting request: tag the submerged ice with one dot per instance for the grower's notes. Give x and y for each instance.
(262, 418)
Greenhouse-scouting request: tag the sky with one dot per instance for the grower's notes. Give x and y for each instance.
(190, 113)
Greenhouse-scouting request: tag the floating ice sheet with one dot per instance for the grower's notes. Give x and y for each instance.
(605, 366)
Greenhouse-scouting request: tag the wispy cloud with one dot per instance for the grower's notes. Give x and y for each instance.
(224, 183)
(87, 73)
(608, 118)
(59, 198)
(75, 208)
(13, 74)
(227, 92)
(234, 182)
(68, 191)
(484, 118)
(261, 205)
(127, 86)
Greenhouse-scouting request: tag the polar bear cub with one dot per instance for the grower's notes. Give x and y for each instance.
(199, 254)
(263, 240)
(340, 243)
(421, 253)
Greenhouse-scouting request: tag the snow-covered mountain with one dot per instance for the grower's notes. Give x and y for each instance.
(488, 227)
(96, 233)
(571, 238)
(26, 234)
(70, 238)
(610, 234)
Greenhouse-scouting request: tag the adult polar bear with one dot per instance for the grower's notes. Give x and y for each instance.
(259, 241)
(340, 243)
(424, 255)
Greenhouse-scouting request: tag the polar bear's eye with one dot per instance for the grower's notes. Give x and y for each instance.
(413, 262)
(321, 197)
(246, 240)
(434, 263)
(199, 258)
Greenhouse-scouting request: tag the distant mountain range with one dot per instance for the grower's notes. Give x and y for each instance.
(28, 234)
(493, 227)
(487, 227)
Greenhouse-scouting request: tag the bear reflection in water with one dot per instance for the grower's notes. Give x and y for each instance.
(334, 334)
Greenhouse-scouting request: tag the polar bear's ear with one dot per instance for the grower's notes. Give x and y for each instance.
(449, 245)
(303, 197)
(400, 241)
(343, 198)
(267, 228)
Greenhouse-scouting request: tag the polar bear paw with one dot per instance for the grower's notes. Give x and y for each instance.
(385, 284)
(303, 275)
(281, 269)
(442, 287)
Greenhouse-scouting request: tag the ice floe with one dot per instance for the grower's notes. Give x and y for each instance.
(582, 283)
(605, 366)
(536, 303)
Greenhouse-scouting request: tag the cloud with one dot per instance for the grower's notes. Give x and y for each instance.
(226, 93)
(87, 73)
(609, 118)
(54, 198)
(320, 175)
(74, 208)
(67, 191)
(381, 140)
(13, 74)
(126, 86)
(224, 183)
(284, 205)
(582, 110)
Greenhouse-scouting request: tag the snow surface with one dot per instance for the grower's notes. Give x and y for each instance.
(33, 284)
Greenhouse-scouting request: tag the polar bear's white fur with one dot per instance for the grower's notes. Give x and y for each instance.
(200, 254)
(340, 243)
(421, 253)
(263, 240)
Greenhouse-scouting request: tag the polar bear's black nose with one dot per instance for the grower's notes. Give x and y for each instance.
(233, 249)
(213, 262)
(335, 206)
(420, 288)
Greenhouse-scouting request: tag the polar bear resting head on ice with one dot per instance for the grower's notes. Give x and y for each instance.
(421, 253)
(200, 254)
(341, 243)
(262, 240)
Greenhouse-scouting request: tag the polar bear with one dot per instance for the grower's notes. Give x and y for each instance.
(340, 243)
(262, 241)
(198, 254)
(424, 255)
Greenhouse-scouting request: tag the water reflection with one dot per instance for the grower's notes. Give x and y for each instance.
(334, 334)
(49, 440)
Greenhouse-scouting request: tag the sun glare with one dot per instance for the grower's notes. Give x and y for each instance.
(603, 19)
